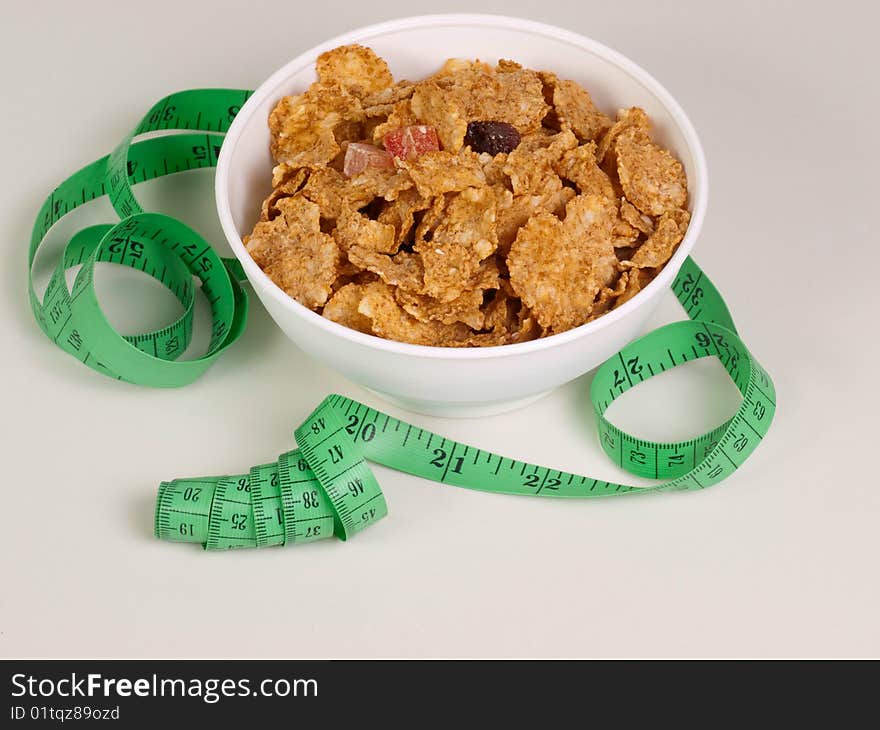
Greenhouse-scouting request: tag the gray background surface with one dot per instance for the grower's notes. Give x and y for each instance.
(779, 560)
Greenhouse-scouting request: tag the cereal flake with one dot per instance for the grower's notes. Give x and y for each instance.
(294, 253)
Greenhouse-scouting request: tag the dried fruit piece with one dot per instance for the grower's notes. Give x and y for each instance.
(359, 156)
(294, 253)
(494, 138)
(355, 68)
(408, 142)
(558, 268)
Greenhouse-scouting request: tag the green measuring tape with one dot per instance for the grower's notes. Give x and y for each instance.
(156, 244)
(325, 487)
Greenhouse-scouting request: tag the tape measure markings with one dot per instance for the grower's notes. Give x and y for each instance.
(232, 515)
(305, 504)
(268, 510)
(323, 439)
(145, 241)
(184, 509)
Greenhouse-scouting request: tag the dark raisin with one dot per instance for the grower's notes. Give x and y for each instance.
(491, 137)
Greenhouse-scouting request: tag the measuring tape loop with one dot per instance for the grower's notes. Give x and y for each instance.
(325, 486)
(192, 124)
(331, 450)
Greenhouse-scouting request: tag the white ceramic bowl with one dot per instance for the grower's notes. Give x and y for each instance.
(458, 381)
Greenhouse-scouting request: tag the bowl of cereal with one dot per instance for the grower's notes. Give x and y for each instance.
(461, 212)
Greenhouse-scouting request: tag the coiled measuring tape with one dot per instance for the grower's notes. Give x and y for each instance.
(325, 487)
(156, 244)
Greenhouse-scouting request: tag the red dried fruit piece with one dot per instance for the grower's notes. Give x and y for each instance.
(492, 137)
(408, 142)
(360, 156)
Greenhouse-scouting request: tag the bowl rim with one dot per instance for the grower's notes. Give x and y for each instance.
(698, 189)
